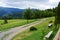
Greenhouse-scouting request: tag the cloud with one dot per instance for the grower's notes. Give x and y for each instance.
(45, 5)
(53, 2)
(37, 4)
(22, 4)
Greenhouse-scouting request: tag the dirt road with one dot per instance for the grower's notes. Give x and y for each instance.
(9, 34)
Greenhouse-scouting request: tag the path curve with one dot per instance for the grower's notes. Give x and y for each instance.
(9, 34)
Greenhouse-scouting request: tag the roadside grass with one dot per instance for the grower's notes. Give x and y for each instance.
(13, 23)
(42, 30)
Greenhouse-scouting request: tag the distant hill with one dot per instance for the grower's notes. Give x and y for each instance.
(14, 12)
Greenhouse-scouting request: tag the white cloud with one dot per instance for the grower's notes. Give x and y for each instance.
(37, 5)
(3, 4)
(29, 3)
(21, 5)
(54, 3)
(45, 5)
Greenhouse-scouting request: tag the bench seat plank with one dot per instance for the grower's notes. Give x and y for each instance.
(48, 35)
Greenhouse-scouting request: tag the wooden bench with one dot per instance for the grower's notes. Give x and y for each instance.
(48, 35)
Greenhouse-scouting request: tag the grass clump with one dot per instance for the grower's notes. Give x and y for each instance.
(33, 29)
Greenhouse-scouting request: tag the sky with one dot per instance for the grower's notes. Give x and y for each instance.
(33, 4)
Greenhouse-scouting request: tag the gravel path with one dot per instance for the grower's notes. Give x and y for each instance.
(9, 34)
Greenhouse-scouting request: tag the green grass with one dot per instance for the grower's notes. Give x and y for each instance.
(13, 23)
(38, 34)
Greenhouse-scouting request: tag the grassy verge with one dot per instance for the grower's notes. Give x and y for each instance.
(39, 34)
(13, 23)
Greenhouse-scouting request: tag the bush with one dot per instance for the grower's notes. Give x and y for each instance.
(5, 21)
(50, 21)
(33, 28)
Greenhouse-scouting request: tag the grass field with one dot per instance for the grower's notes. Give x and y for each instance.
(38, 34)
(13, 23)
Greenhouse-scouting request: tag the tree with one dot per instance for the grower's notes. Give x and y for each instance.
(37, 13)
(27, 14)
(5, 20)
(57, 15)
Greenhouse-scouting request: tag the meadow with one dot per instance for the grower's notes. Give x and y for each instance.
(13, 23)
(42, 30)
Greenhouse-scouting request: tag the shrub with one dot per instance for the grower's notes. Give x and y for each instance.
(33, 28)
(5, 21)
(50, 21)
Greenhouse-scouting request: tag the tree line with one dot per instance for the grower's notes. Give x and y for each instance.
(36, 13)
(31, 14)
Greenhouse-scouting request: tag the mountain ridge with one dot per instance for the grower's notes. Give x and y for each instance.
(4, 11)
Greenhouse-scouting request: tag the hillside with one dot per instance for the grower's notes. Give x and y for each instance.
(13, 12)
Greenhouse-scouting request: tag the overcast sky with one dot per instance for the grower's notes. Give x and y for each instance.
(23, 4)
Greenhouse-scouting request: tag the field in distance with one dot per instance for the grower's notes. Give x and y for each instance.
(13, 23)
